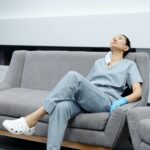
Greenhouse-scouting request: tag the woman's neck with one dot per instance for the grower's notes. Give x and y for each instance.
(116, 56)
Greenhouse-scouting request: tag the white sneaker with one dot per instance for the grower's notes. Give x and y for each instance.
(18, 127)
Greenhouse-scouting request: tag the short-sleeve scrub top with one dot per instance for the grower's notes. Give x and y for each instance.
(115, 79)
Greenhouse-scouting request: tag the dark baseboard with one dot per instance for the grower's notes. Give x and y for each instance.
(7, 50)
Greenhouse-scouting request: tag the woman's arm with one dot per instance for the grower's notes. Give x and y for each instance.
(136, 94)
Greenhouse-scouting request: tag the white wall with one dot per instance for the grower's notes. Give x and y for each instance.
(73, 22)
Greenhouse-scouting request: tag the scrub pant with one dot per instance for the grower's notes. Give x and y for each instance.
(73, 94)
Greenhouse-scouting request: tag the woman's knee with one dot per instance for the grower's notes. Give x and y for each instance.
(73, 74)
(63, 106)
(67, 108)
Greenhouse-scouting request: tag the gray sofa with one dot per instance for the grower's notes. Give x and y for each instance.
(32, 74)
(139, 126)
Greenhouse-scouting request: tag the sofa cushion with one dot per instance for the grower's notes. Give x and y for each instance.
(17, 102)
(91, 121)
(50, 67)
(145, 130)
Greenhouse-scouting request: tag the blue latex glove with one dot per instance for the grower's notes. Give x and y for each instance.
(118, 103)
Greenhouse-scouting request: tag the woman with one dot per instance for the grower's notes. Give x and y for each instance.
(100, 92)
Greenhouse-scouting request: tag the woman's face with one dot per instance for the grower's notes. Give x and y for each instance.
(119, 42)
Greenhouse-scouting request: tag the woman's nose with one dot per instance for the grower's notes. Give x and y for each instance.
(114, 39)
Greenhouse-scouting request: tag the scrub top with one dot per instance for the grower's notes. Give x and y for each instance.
(115, 79)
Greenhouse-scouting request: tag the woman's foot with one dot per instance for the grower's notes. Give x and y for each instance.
(25, 125)
(18, 126)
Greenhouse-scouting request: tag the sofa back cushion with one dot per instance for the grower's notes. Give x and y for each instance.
(43, 69)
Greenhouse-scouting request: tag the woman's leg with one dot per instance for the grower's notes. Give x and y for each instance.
(71, 96)
(58, 121)
(34, 117)
(72, 87)
(65, 90)
(75, 88)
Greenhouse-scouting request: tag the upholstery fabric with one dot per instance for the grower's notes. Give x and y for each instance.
(14, 75)
(72, 134)
(43, 70)
(90, 121)
(135, 117)
(16, 102)
(145, 130)
(25, 101)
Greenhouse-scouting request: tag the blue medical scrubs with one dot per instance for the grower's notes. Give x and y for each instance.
(74, 94)
(113, 81)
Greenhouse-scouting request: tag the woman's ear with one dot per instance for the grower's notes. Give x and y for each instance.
(126, 48)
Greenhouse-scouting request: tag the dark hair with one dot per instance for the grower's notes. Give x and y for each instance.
(128, 44)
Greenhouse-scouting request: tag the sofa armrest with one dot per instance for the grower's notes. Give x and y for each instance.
(13, 76)
(129, 106)
(4, 86)
(117, 122)
(139, 113)
(134, 117)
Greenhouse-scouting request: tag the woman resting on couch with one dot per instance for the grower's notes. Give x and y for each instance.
(100, 91)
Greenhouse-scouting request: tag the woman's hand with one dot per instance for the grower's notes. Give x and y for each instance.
(134, 96)
(118, 103)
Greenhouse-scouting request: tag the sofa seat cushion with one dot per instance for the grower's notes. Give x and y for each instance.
(91, 121)
(17, 102)
(145, 130)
